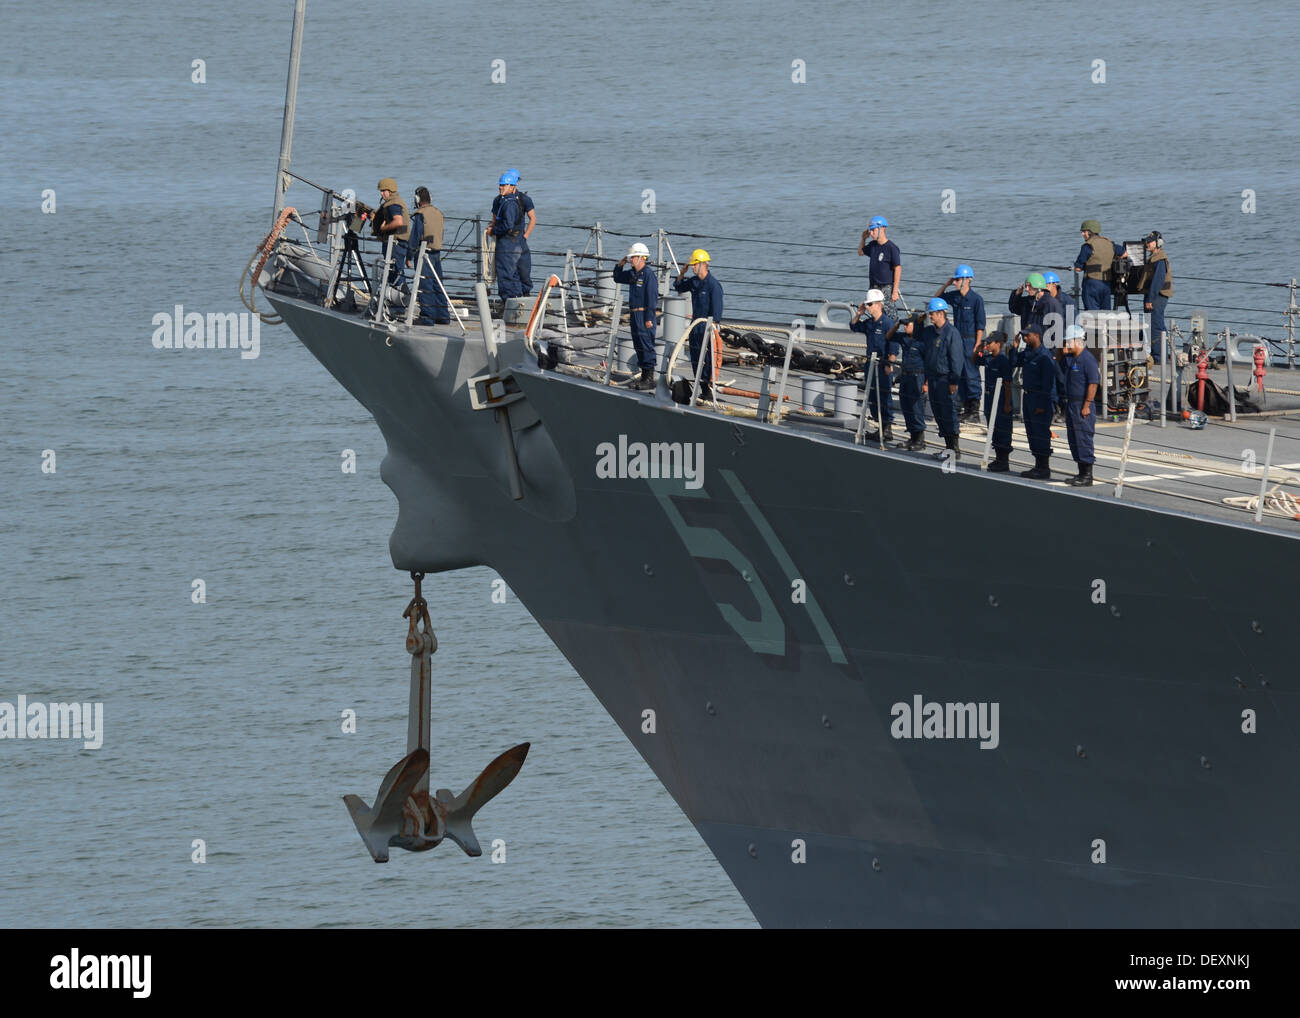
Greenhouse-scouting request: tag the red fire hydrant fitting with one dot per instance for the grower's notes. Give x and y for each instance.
(1202, 374)
(1259, 367)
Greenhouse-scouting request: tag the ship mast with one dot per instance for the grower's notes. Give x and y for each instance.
(290, 102)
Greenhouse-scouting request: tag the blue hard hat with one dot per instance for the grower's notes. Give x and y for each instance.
(963, 272)
(1051, 277)
(877, 221)
(511, 176)
(937, 304)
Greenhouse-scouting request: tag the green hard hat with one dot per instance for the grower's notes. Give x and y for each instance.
(1036, 280)
(1092, 226)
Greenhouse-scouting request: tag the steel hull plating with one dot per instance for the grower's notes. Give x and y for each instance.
(772, 618)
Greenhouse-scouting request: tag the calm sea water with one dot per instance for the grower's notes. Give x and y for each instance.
(222, 719)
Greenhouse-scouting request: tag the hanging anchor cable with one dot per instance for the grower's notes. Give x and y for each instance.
(405, 815)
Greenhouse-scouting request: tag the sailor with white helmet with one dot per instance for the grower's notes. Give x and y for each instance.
(969, 319)
(513, 220)
(706, 302)
(642, 302)
(872, 322)
(1082, 380)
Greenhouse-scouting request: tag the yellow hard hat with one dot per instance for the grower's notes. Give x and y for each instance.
(388, 184)
(699, 255)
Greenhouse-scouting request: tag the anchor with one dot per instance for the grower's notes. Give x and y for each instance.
(404, 814)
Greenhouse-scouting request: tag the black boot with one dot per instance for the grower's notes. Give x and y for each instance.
(1040, 471)
(889, 433)
(1002, 464)
(1085, 476)
(646, 381)
(951, 442)
(916, 443)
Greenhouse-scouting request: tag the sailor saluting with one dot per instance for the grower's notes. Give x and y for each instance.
(513, 220)
(642, 302)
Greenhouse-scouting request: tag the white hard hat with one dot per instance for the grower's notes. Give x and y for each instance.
(638, 251)
(875, 295)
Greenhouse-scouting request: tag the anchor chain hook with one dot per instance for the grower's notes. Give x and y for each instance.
(418, 609)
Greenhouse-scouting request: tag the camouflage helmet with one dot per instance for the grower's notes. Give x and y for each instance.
(388, 184)
(1092, 226)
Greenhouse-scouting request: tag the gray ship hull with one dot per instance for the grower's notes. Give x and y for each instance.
(774, 713)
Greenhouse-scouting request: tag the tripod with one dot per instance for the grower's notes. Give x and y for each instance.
(350, 271)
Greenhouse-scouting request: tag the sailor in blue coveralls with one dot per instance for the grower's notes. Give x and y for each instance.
(996, 364)
(642, 302)
(513, 220)
(911, 381)
(706, 302)
(944, 364)
(1082, 380)
(1038, 377)
(968, 317)
(873, 323)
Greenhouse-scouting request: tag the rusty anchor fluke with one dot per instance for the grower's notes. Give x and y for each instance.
(404, 814)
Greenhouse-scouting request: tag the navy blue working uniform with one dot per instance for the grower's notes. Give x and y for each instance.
(1038, 377)
(1153, 297)
(875, 329)
(943, 368)
(514, 262)
(913, 378)
(642, 301)
(706, 302)
(1051, 316)
(1024, 305)
(995, 368)
(1080, 372)
(968, 317)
